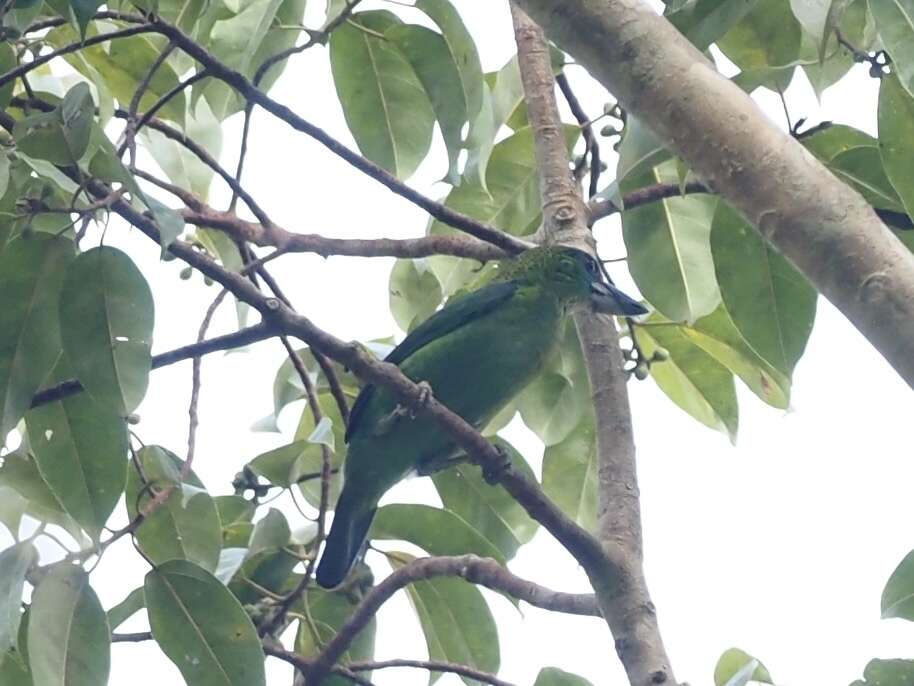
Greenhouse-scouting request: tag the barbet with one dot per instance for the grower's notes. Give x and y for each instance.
(476, 354)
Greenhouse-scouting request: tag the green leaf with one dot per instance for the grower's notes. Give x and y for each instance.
(169, 221)
(124, 64)
(20, 473)
(328, 611)
(41, 136)
(639, 152)
(436, 531)
(80, 448)
(181, 166)
(385, 105)
(287, 385)
(106, 321)
(704, 21)
(768, 36)
(455, 619)
(551, 407)
(770, 301)
(437, 68)
(887, 673)
(570, 473)
(31, 272)
(202, 628)
(669, 252)
(414, 293)
(68, 635)
(691, 378)
(280, 466)
(270, 533)
(717, 335)
(188, 530)
(553, 676)
(234, 41)
(77, 112)
(488, 509)
(84, 10)
(311, 461)
(124, 610)
(12, 507)
(736, 667)
(13, 670)
(896, 138)
(833, 140)
(895, 25)
(898, 594)
(15, 563)
(861, 168)
(7, 62)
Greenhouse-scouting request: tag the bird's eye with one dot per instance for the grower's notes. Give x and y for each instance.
(592, 267)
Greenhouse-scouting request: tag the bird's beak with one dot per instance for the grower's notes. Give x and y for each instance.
(608, 299)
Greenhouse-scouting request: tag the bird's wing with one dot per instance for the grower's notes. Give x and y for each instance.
(462, 311)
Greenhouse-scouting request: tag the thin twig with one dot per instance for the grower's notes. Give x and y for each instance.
(593, 146)
(193, 419)
(132, 127)
(432, 666)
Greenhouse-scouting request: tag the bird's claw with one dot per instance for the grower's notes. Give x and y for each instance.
(493, 473)
(422, 398)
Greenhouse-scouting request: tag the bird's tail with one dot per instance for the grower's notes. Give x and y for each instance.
(351, 522)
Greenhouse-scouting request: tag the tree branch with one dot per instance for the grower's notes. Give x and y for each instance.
(820, 224)
(624, 599)
(432, 666)
(474, 569)
(238, 339)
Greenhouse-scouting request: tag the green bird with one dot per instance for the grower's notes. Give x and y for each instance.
(476, 354)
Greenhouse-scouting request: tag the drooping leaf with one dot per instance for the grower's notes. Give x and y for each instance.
(704, 21)
(31, 272)
(124, 610)
(68, 637)
(169, 221)
(7, 62)
(828, 143)
(106, 321)
(178, 529)
(570, 473)
(770, 301)
(717, 335)
(328, 611)
(202, 628)
(414, 293)
(77, 113)
(12, 507)
(455, 619)
(551, 407)
(270, 533)
(280, 466)
(669, 252)
(898, 594)
(735, 663)
(768, 36)
(895, 24)
(80, 448)
(553, 676)
(488, 509)
(436, 531)
(692, 378)
(439, 70)
(861, 168)
(385, 105)
(896, 138)
(124, 64)
(310, 464)
(15, 563)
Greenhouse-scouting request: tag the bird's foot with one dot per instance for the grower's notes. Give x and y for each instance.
(422, 398)
(493, 473)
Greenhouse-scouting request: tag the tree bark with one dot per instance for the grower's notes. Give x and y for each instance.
(821, 225)
(623, 597)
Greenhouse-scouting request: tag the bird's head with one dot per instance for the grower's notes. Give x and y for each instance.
(574, 276)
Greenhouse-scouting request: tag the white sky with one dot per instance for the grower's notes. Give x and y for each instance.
(780, 545)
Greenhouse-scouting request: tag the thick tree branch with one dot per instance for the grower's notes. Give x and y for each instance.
(821, 225)
(623, 598)
(474, 569)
